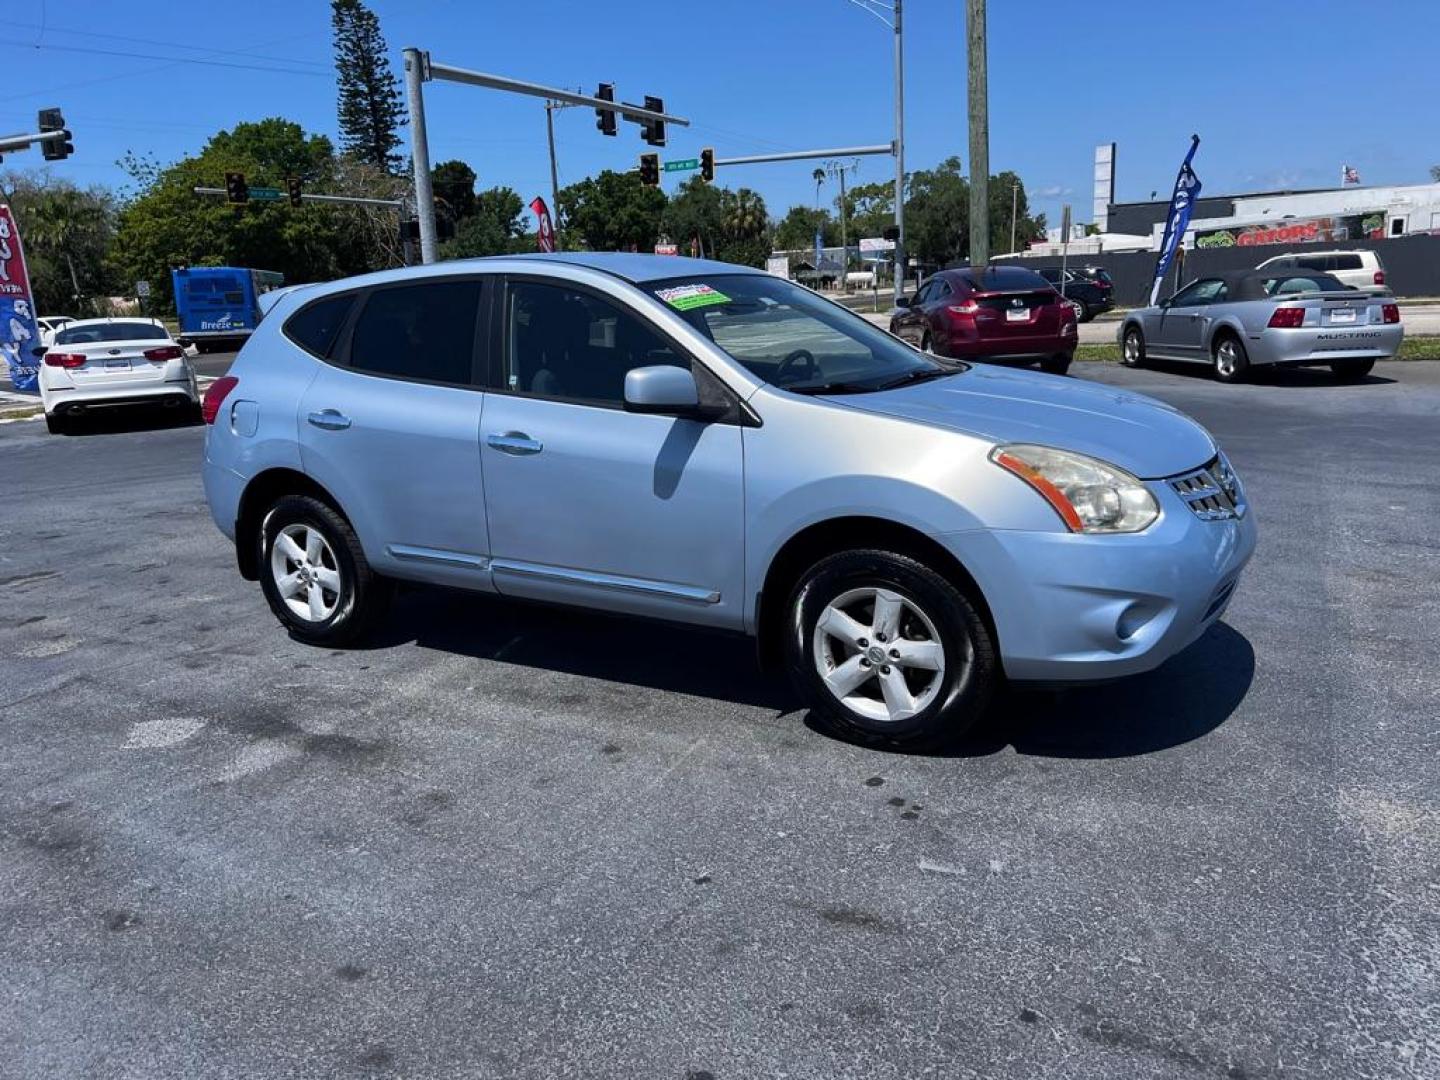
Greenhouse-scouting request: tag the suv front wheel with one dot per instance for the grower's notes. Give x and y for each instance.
(315, 575)
(887, 650)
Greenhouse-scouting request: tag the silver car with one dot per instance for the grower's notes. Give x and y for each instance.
(697, 442)
(1248, 319)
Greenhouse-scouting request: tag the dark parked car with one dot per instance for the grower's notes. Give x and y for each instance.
(996, 313)
(1088, 288)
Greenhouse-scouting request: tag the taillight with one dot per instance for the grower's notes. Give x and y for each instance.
(215, 397)
(1287, 318)
(1391, 312)
(1379, 277)
(65, 360)
(967, 308)
(165, 352)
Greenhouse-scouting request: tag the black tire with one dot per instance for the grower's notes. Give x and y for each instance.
(961, 691)
(1229, 359)
(362, 595)
(57, 424)
(1058, 364)
(1137, 336)
(1351, 370)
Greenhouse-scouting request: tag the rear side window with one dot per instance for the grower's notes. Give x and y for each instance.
(1347, 262)
(315, 326)
(424, 331)
(1314, 262)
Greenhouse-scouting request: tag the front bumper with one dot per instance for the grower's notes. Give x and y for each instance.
(1073, 608)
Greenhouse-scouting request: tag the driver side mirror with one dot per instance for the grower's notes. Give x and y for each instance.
(664, 389)
(903, 301)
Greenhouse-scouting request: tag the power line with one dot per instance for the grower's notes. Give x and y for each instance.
(163, 44)
(183, 60)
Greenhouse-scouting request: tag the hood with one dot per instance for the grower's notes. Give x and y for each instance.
(1141, 435)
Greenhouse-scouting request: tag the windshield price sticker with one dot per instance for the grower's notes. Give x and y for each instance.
(685, 297)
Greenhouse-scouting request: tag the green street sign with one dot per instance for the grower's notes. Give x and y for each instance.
(266, 194)
(683, 165)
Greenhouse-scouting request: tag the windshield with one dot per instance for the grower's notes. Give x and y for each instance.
(792, 338)
(111, 331)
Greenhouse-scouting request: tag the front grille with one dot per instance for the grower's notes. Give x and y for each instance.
(1213, 492)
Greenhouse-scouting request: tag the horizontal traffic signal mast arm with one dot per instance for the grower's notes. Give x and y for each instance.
(435, 70)
(350, 200)
(802, 155)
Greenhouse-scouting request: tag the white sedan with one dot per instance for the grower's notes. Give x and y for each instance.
(102, 362)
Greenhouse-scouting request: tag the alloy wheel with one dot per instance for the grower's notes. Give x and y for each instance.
(1132, 348)
(1227, 359)
(305, 572)
(879, 654)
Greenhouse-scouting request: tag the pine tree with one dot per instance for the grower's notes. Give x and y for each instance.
(369, 106)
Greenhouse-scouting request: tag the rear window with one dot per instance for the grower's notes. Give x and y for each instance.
(315, 326)
(207, 284)
(1290, 284)
(1003, 279)
(113, 331)
(424, 331)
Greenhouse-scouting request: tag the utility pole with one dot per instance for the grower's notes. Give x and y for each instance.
(420, 154)
(838, 169)
(899, 156)
(1014, 200)
(550, 107)
(978, 93)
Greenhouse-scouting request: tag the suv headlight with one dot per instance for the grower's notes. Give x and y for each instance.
(1090, 495)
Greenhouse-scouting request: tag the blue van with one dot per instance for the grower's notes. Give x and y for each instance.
(219, 306)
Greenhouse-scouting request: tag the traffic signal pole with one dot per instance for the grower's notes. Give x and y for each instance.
(11, 143)
(420, 69)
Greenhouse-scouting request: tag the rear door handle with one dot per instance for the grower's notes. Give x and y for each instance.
(516, 443)
(329, 419)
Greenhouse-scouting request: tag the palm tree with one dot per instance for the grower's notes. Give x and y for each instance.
(819, 177)
(744, 214)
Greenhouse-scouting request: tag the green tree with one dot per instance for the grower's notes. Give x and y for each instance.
(492, 228)
(454, 182)
(67, 232)
(369, 107)
(796, 231)
(937, 214)
(612, 212)
(694, 213)
(745, 228)
(166, 225)
(869, 208)
(1435, 173)
(1026, 226)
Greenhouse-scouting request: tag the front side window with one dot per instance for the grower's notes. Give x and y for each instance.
(574, 346)
(112, 331)
(424, 331)
(1209, 291)
(791, 338)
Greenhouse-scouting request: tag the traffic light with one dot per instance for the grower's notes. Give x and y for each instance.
(236, 190)
(707, 165)
(653, 131)
(605, 118)
(650, 170)
(55, 149)
(296, 189)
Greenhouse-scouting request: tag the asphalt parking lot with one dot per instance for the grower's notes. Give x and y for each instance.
(510, 842)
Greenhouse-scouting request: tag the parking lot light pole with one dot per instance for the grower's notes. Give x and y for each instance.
(876, 7)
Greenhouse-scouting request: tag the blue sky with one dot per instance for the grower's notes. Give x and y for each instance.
(757, 75)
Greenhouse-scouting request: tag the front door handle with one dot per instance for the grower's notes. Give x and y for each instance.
(329, 419)
(515, 442)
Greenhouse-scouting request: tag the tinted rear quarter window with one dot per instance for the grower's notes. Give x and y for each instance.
(1347, 262)
(315, 326)
(424, 331)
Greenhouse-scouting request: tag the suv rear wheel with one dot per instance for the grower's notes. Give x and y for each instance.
(888, 651)
(314, 573)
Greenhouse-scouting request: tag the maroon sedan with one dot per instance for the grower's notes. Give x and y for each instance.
(1002, 313)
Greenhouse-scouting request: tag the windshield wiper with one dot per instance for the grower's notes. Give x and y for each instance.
(832, 388)
(919, 375)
